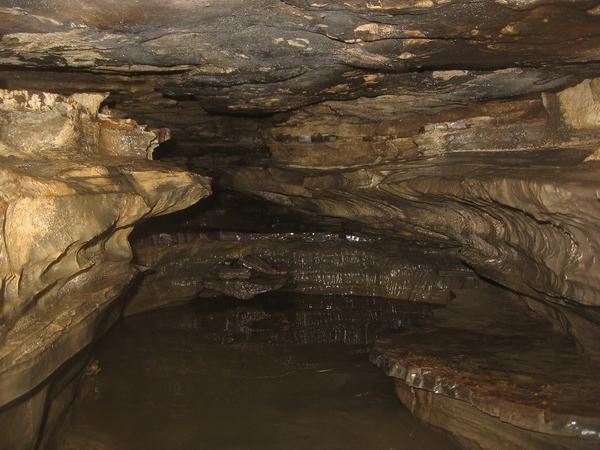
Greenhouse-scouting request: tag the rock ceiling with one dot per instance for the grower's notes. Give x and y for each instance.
(465, 131)
(171, 65)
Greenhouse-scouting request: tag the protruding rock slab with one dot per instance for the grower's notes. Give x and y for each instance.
(496, 375)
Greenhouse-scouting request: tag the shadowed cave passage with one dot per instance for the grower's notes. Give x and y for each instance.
(444, 154)
(283, 369)
(282, 366)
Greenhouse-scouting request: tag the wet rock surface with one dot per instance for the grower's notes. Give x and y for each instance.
(512, 215)
(460, 130)
(188, 265)
(488, 351)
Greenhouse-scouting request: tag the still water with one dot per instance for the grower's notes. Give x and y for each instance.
(280, 371)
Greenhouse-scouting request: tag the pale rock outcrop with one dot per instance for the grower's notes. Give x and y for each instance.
(69, 199)
(580, 105)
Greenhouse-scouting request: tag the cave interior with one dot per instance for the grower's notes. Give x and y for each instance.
(443, 153)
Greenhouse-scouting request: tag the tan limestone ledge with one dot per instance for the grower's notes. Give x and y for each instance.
(496, 375)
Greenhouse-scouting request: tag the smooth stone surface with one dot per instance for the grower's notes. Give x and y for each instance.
(486, 349)
(280, 371)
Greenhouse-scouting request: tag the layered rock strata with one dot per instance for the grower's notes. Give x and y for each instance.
(270, 56)
(189, 265)
(74, 183)
(467, 125)
(514, 188)
(470, 372)
(523, 216)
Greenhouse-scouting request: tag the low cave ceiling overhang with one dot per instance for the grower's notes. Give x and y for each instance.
(268, 56)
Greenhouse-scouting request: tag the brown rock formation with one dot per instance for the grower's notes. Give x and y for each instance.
(468, 371)
(70, 198)
(245, 264)
(466, 130)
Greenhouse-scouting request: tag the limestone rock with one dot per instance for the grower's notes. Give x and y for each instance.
(42, 125)
(265, 56)
(190, 265)
(67, 210)
(467, 371)
(38, 124)
(580, 105)
(513, 224)
(459, 124)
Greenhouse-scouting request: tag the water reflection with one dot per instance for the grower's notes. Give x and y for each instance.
(278, 372)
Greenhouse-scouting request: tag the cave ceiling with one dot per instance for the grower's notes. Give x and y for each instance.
(210, 70)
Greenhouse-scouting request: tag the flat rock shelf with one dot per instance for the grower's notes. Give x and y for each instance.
(488, 369)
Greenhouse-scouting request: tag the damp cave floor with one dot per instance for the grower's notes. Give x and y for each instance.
(282, 371)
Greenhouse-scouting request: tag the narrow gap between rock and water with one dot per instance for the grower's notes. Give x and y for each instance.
(280, 371)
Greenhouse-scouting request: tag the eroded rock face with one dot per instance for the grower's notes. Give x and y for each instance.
(526, 218)
(69, 200)
(267, 56)
(468, 371)
(465, 125)
(187, 266)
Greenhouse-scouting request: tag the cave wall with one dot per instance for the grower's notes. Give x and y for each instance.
(467, 126)
(517, 195)
(74, 183)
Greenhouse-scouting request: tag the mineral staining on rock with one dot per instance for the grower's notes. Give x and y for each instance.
(466, 126)
(69, 200)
